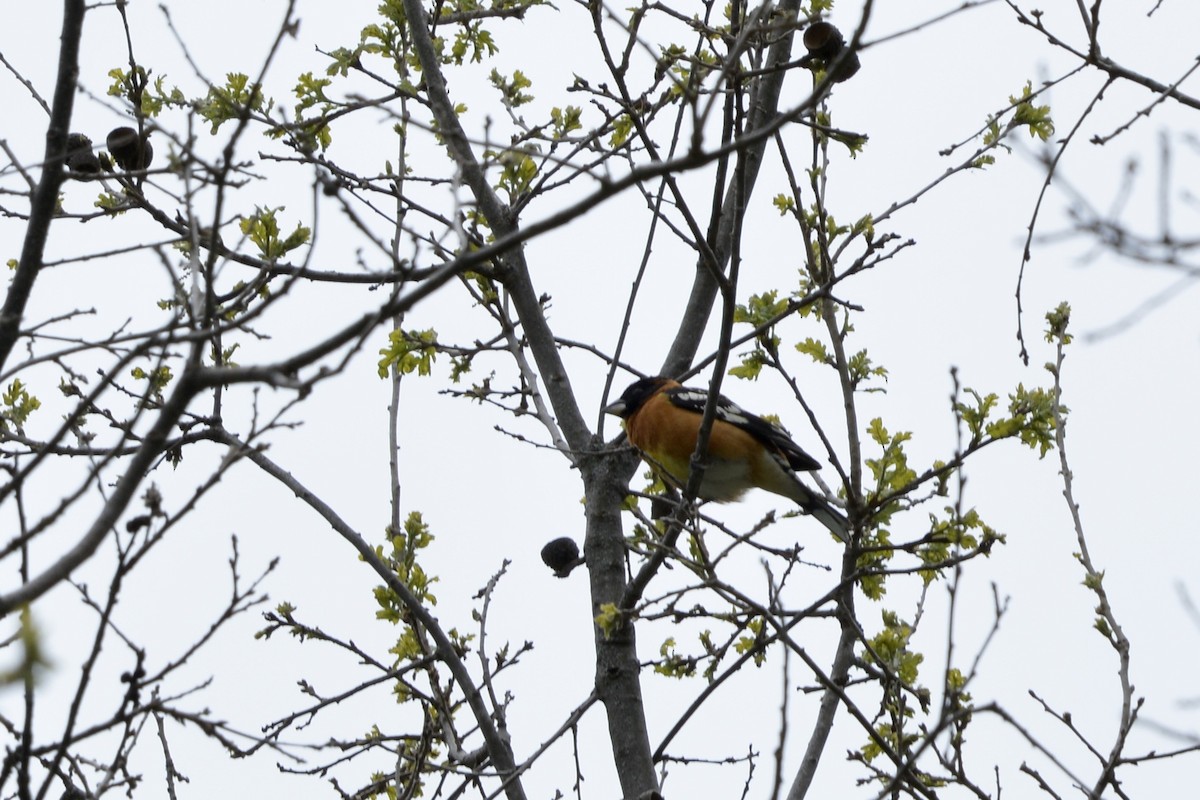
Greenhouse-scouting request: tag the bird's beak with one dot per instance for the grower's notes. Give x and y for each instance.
(617, 409)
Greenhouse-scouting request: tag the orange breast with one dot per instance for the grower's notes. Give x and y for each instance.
(668, 439)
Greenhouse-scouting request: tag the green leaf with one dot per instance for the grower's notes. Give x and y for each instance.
(761, 309)
(517, 174)
(1036, 118)
(115, 204)
(1034, 410)
(609, 619)
(1057, 322)
(511, 89)
(877, 552)
(159, 378)
(136, 87)
(751, 366)
(865, 226)
(310, 91)
(674, 665)
(566, 120)
(976, 416)
(815, 350)
(993, 133)
(18, 405)
(861, 369)
(31, 656)
(622, 128)
(471, 40)
(891, 470)
(408, 352)
(406, 544)
(745, 644)
(237, 98)
(889, 649)
(262, 228)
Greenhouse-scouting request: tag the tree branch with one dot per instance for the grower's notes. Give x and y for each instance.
(498, 750)
(45, 197)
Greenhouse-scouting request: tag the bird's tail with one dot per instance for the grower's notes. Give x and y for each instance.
(819, 508)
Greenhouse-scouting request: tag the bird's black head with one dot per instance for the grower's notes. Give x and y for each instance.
(638, 393)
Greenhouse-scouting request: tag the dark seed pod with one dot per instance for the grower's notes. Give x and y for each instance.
(137, 523)
(80, 156)
(823, 41)
(128, 150)
(562, 556)
(77, 142)
(123, 146)
(847, 67)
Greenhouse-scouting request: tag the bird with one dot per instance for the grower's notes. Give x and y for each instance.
(662, 421)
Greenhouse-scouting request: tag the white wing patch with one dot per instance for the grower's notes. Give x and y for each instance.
(727, 410)
(690, 397)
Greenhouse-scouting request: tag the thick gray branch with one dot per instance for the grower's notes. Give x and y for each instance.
(45, 196)
(514, 271)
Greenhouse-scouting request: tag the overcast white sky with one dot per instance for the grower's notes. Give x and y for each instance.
(948, 302)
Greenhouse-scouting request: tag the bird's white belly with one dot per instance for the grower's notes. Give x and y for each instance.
(725, 480)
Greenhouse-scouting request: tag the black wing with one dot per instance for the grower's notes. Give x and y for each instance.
(771, 434)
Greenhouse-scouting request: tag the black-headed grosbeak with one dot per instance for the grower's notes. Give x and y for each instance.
(662, 420)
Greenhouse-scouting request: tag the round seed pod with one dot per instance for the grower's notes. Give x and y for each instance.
(128, 150)
(823, 41)
(847, 67)
(80, 156)
(562, 556)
